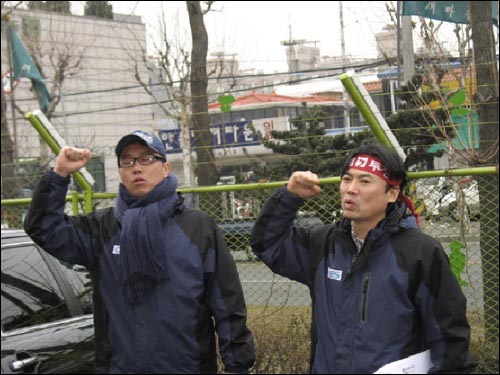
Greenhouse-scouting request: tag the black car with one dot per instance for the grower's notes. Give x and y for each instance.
(47, 322)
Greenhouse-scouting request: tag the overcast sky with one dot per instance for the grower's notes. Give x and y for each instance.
(253, 30)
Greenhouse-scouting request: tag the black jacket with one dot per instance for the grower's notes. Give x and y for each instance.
(397, 298)
(172, 330)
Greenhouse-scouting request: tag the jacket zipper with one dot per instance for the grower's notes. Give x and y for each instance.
(364, 298)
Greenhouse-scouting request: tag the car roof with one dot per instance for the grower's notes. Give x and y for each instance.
(13, 235)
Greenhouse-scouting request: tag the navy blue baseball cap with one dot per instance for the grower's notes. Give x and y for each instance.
(144, 138)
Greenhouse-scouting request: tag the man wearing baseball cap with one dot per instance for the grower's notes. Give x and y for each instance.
(164, 283)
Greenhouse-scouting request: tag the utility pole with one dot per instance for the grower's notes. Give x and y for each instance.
(291, 51)
(398, 42)
(408, 54)
(345, 97)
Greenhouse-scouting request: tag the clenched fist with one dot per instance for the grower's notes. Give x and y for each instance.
(304, 185)
(70, 160)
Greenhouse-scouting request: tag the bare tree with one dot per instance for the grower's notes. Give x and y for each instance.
(9, 187)
(207, 171)
(171, 93)
(477, 93)
(446, 106)
(64, 59)
(173, 70)
(485, 62)
(486, 102)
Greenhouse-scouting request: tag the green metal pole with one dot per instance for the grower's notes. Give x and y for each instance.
(371, 114)
(54, 146)
(74, 202)
(365, 110)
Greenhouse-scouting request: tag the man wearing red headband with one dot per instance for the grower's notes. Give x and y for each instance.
(381, 289)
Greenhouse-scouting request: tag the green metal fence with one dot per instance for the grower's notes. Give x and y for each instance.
(459, 208)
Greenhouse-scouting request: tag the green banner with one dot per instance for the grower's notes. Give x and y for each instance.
(449, 11)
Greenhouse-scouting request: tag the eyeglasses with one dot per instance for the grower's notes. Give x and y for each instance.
(143, 160)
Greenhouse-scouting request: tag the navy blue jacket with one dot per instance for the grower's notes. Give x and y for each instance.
(397, 298)
(173, 329)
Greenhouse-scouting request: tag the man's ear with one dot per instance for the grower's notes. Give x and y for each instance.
(394, 194)
(166, 169)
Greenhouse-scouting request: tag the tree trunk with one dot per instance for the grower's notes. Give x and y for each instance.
(9, 188)
(486, 103)
(206, 170)
(10, 185)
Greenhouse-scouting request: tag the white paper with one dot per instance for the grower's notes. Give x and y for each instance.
(416, 364)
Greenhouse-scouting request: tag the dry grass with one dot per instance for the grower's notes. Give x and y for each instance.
(282, 339)
(485, 353)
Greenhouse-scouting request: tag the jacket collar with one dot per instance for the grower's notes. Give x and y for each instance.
(398, 216)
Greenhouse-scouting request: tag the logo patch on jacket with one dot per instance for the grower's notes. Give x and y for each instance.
(334, 274)
(116, 249)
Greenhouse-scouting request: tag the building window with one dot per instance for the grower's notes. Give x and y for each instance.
(270, 112)
(338, 118)
(290, 112)
(355, 118)
(258, 113)
(96, 168)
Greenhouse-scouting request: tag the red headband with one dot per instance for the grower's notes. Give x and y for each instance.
(371, 164)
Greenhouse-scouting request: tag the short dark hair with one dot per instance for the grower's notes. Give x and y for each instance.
(394, 166)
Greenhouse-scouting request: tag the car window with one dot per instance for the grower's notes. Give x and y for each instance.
(79, 280)
(30, 294)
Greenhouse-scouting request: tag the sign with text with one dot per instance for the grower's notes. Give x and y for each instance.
(233, 134)
(266, 126)
(449, 11)
(228, 135)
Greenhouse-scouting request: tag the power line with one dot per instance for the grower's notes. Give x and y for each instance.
(256, 87)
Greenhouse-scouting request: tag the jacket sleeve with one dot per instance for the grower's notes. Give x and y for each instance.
(443, 308)
(227, 303)
(63, 236)
(281, 245)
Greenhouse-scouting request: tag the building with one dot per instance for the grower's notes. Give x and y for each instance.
(387, 42)
(232, 135)
(99, 97)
